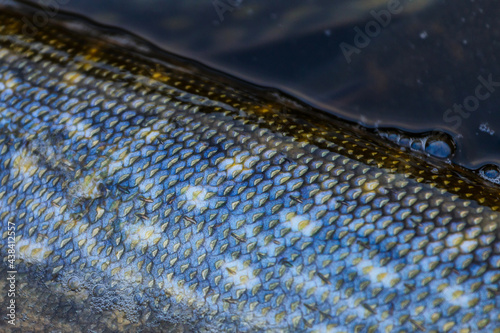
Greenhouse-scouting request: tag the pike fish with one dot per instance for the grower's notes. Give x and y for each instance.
(140, 192)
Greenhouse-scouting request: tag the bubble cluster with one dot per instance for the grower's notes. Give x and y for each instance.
(491, 173)
(74, 284)
(101, 297)
(436, 144)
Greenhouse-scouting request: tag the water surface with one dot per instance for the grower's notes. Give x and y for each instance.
(425, 59)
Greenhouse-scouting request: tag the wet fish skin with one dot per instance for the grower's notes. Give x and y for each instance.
(150, 196)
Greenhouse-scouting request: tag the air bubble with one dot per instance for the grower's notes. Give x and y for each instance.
(98, 290)
(491, 173)
(417, 145)
(437, 144)
(74, 283)
(440, 146)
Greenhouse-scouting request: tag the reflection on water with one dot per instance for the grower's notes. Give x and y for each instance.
(414, 65)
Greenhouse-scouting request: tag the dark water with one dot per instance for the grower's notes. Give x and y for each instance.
(423, 65)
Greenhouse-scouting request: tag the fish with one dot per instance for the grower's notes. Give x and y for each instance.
(142, 192)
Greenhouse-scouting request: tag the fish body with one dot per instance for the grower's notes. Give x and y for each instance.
(144, 194)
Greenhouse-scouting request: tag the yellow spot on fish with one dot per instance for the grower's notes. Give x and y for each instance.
(25, 163)
(33, 252)
(370, 185)
(144, 235)
(73, 77)
(11, 83)
(196, 195)
(303, 224)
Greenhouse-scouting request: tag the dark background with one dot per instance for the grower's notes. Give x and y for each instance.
(427, 59)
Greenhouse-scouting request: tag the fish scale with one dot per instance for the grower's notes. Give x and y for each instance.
(150, 194)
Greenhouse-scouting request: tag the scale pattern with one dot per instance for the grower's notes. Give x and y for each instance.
(163, 199)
